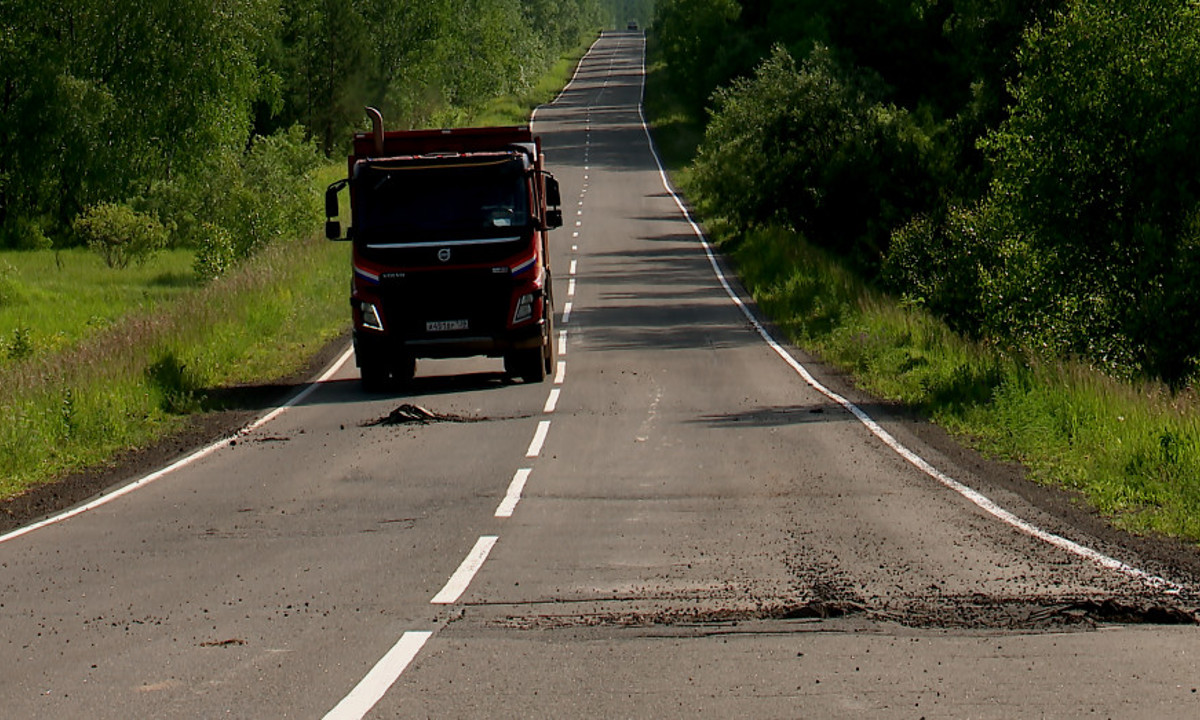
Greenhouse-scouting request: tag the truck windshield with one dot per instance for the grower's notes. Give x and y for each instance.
(412, 200)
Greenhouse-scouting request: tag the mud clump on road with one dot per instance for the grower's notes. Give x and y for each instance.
(408, 414)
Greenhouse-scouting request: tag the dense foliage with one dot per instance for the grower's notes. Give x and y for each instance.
(1024, 168)
(1088, 239)
(816, 148)
(206, 115)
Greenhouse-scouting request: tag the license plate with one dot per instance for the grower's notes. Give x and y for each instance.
(445, 325)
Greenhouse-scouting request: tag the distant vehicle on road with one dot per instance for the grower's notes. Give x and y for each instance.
(450, 253)
(633, 25)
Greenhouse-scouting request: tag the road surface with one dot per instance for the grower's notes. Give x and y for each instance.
(678, 523)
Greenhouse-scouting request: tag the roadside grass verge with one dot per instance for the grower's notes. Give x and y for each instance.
(677, 129)
(1132, 450)
(50, 299)
(134, 381)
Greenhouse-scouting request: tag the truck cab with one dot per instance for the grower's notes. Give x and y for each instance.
(449, 249)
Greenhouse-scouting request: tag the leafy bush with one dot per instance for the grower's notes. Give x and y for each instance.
(120, 234)
(214, 253)
(20, 346)
(696, 40)
(23, 233)
(813, 147)
(276, 200)
(234, 205)
(1088, 241)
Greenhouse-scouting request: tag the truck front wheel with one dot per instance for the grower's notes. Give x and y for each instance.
(529, 365)
(374, 377)
(533, 364)
(380, 377)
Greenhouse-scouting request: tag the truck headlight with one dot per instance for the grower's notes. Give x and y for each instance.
(370, 317)
(524, 309)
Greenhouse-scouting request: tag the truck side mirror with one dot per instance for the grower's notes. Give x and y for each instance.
(553, 196)
(554, 216)
(333, 228)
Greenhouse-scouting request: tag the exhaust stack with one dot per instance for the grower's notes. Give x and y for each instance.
(376, 128)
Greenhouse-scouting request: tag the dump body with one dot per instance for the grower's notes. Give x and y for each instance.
(450, 254)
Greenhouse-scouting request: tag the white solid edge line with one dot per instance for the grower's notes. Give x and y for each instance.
(381, 677)
(552, 401)
(513, 496)
(462, 577)
(183, 462)
(539, 439)
(980, 500)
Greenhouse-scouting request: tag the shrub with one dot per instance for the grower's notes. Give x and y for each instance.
(214, 253)
(276, 199)
(235, 205)
(814, 147)
(120, 234)
(1088, 241)
(20, 346)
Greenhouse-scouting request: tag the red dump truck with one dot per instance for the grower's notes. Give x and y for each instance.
(450, 251)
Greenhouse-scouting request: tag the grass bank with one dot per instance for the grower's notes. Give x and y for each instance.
(51, 299)
(94, 362)
(135, 380)
(1131, 450)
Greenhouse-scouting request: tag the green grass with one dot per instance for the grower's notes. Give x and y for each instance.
(50, 299)
(1133, 451)
(132, 382)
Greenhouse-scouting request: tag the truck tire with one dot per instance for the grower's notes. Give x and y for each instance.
(550, 349)
(374, 377)
(528, 364)
(533, 364)
(404, 369)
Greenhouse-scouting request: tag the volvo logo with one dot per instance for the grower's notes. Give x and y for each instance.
(444, 254)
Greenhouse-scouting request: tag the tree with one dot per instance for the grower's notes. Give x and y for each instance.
(1092, 221)
(815, 148)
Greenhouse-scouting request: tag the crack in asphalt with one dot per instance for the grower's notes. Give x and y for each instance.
(1016, 614)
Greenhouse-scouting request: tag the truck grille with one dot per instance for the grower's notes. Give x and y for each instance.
(444, 299)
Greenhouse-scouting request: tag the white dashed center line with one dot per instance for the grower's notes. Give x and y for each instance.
(515, 488)
(372, 687)
(539, 439)
(462, 577)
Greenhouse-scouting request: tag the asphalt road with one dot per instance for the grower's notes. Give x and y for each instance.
(677, 524)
